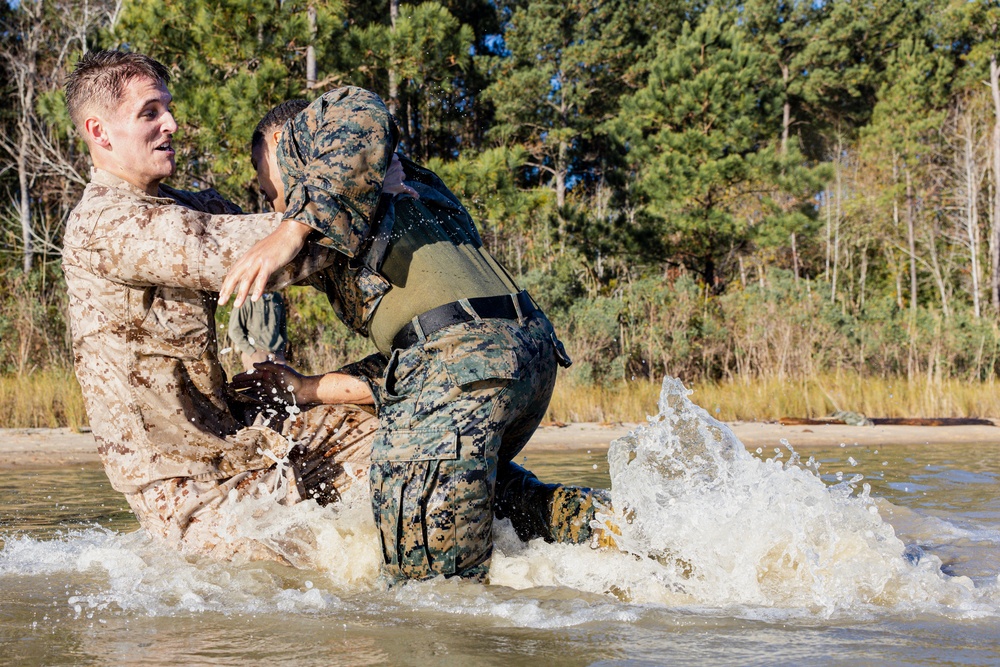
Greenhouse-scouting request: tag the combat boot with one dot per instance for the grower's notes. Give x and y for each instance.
(553, 512)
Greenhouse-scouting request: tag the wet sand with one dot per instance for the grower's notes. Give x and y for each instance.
(55, 447)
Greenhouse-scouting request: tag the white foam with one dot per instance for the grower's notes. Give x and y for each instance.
(705, 527)
(734, 530)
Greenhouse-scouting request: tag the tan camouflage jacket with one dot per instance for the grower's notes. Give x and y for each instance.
(141, 273)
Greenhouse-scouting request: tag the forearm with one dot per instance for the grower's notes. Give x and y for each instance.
(334, 388)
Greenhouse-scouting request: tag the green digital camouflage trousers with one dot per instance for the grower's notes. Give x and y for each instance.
(455, 411)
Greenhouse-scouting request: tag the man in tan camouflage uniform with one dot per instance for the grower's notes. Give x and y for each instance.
(471, 359)
(142, 262)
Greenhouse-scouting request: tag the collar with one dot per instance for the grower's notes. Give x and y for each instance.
(108, 179)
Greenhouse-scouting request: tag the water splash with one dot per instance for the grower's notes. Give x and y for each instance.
(706, 528)
(727, 529)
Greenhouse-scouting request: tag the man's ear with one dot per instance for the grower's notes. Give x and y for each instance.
(276, 137)
(95, 132)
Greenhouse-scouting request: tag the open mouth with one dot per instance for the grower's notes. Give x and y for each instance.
(166, 147)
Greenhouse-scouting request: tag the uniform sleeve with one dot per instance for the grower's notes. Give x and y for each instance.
(171, 245)
(333, 157)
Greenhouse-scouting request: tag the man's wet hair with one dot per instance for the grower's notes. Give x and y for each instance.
(276, 117)
(100, 78)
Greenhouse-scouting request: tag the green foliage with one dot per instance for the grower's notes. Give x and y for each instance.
(705, 188)
(911, 104)
(700, 136)
(33, 328)
(428, 54)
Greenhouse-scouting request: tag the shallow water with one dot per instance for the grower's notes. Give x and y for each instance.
(734, 557)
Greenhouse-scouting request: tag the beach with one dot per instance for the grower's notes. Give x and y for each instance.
(37, 447)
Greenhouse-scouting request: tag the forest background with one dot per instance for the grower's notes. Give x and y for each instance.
(792, 206)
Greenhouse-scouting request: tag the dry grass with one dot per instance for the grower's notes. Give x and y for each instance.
(770, 399)
(49, 399)
(44, 399)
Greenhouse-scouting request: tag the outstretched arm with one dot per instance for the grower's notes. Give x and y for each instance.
(334, 160)
(277, 385)
(250, 274)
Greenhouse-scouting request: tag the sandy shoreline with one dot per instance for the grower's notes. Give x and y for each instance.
(47, 447)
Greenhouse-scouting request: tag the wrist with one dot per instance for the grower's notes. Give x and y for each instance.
(294, 230)
(308, 391)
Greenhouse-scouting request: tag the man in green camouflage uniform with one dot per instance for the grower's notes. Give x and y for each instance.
(258, 331)
(469, 360)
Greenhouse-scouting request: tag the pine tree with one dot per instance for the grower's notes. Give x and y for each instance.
(231, 60)
(911, 109)
(564, 67)
(417, 65)
(701, 140)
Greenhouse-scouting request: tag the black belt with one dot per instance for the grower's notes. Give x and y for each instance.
(486, 307)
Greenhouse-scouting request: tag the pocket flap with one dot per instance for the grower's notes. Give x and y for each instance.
(473, 368)
(417, 444)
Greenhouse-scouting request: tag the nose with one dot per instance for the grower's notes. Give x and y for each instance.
(169, 124)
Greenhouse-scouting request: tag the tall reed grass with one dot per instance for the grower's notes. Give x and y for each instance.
(769, 399)
(47, 399)
(43, 399)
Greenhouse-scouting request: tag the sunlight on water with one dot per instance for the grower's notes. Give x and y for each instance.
(706, 527)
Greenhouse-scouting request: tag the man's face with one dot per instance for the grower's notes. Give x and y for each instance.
(265, 161)
(139, 133)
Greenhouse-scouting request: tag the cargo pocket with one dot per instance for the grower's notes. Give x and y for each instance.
(491, 364)
(414, 500)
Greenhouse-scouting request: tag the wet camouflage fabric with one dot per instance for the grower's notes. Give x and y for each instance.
(333, 157)
(452, 410)
(141, 272)
(352, 286)
(354, 292)
(332, 452)
(553, 512)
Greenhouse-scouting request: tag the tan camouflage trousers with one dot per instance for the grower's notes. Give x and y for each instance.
(456, 410)
(332, 450)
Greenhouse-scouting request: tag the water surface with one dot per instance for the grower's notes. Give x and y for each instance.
(732, 558)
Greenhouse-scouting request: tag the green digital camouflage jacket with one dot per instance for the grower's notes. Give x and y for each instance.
(333, 157)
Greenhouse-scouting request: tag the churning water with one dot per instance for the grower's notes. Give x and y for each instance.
(725, 557)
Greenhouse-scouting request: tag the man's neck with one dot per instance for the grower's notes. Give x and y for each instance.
(107, 177)
(150, 188)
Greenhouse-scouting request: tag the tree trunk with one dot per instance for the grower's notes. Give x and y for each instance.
(311, 50)
(864, 275)
(938, 276)
(972, 212)
(24, 206)
(795, 260)
(393, 82)
(836, 224)
(829, 230)
(786, 112)
(995, 232)
(911, 240)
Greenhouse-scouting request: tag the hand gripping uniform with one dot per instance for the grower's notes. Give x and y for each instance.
(470, 361)
(142, 272)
